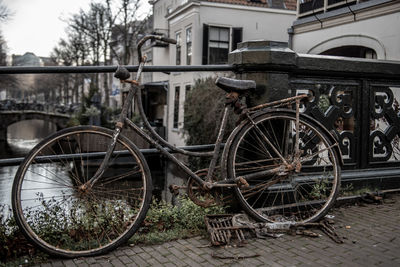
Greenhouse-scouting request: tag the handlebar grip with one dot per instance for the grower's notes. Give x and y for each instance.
(168, 40)
(122, 73)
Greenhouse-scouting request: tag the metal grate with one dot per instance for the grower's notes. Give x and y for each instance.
(223, 232)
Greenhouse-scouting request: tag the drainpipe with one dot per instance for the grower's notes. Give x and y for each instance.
(290, 32)
(167, 88)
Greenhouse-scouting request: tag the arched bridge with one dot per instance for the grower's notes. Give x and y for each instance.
(9, 117)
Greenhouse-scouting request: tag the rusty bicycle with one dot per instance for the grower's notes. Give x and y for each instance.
(85, 190)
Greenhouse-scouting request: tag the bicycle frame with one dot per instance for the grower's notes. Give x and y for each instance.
(161, 144)
(155, 140)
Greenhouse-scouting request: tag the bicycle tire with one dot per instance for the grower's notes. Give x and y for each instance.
(62, 218)
(296, 196)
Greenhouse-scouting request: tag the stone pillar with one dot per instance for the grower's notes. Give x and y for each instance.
(254, 58)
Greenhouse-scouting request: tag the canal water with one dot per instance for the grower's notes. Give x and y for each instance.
(21, 138)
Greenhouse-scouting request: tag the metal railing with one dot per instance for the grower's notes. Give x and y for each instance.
(96, 155)
(356, 90)
(273, 68)
(104, 69)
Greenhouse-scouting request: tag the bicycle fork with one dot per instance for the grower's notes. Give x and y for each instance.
(118, 128)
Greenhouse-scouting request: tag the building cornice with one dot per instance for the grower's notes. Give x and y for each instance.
(152, 2)
(250, 8)
(188, 5)
(183, 15)
(344, 15)
(182, 9)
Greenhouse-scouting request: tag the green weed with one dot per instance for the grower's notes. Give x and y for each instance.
(164, 222)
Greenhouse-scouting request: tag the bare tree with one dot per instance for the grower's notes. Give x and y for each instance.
(48, 84)
(7, 81)
(63, 55)
(128, 29)
(5, 12)
(108, 29)
(104, 19)
(94, 26)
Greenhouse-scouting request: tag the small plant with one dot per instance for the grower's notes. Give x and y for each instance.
(12, 243)
(73, 121)
(350, 190)
(324, 103)
(320, 189)
(166, 222)
(347, 190)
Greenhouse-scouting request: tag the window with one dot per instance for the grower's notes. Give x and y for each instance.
(149, 55)
(218, 44)
(217, 41)
(351, 51)
(178, 48)
(236, 37)
(370, 53)
(188, 46)
(188, 87)
(176, 107)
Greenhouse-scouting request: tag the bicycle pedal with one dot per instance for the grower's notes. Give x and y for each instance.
(242, 182)
(174, 189)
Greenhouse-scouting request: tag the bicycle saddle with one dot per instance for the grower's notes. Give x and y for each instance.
(233, 85)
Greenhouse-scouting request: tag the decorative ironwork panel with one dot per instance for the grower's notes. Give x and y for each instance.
(384, 124)
(333, 104)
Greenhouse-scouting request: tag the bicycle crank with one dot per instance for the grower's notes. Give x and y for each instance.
(198, 194)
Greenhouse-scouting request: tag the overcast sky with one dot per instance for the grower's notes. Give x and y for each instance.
(37, 25)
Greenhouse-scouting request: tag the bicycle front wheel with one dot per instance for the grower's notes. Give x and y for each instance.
(66, 219)
(261, 153)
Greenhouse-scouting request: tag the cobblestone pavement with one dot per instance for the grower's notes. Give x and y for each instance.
(371, 238)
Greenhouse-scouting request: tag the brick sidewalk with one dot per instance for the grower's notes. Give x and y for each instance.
(372, 238)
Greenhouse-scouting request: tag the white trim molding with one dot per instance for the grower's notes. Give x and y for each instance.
(350, 39)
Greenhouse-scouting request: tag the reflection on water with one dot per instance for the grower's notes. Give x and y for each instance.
(21, 138)
(36, 180)
(7, 173)
(30, 129)
(21, 146)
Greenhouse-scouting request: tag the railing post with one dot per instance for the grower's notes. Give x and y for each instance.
(251, 60)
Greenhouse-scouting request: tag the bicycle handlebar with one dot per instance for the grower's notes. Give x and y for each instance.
(168, 40)
(152, 37)
(122, 73)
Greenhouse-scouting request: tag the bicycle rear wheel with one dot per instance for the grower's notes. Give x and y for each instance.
(276, 194)
(65, 219)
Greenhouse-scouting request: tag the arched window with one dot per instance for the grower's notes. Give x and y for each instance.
(351, 51)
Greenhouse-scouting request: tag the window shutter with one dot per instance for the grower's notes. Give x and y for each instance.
(205, 44)
(237, 34)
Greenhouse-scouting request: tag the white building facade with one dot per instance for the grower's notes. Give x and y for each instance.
(206, 32)
(356, 28)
